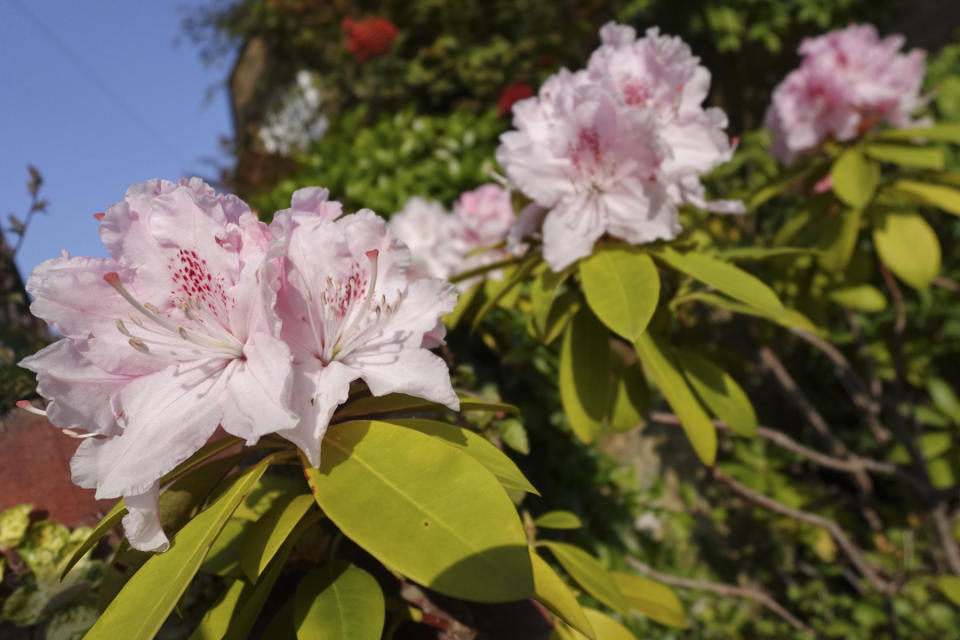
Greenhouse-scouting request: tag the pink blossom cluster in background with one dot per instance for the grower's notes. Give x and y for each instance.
(205, 316)
(617, 147)
(445, 244)
(850, 81)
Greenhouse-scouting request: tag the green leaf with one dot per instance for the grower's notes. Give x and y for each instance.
(14, 523)
(606, 627)
(543, 291)
(629, 401)
(855, 178)
(655, 600)
(514, 435)
(622, 287)
(923, 157)
(108, 522)
(838, 239)
(788, 317)
(943, 132)
(934, 195)
(338, 601)
(381, 485)
(935, 444)
(908, 247)
(556, 596)
(464, 301)
(719, 392)
(150, 595)
(584, 375)
(943, 398)
(558, 520)
(724, 277)
(589, 574)
(216, 621)
(474, 445)
(779, 184)
(761, 253)
(523, 270)
(661, 365)
(950, 586)
(564, 308)
(861, 297)
(941, 473)
(401, 403)
(267, 535)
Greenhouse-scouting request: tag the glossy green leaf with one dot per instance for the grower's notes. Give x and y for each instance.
(543, 292)
(630, 400)
(908, 247)
(267, 535)
(950, 586)
(589, 574)
(943, 398)
(655, 600)
(838, 239)
(564, 308)
(474, 445)
(522, 272)
(338, 601)
(724, 277)
(788, 317)
(935, 195)
(942, 132)
(761, 253)
(622, 287)
(606, 627)
(908, 156)
(401, 403)
(855, 178)
(662, 367)
(558, 520)
(719, 392)
(941, 473)
(150, 595)
(861, 297)
(584, 375)
(556, 596)
(108, 522)
(514, 435)
(216, 621)
(381, 485)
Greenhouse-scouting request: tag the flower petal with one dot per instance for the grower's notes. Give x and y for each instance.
(258, 389)
(317, 392)
(415, 372)
(142, 525)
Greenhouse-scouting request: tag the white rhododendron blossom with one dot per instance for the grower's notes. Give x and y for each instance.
(350, 312)
(171, 336)
(617, 147)
(444, 244)
(204, 317)
(849, 82)
(296, 120)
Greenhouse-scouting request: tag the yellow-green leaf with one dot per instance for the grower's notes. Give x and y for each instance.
(465, 301)
(523, 270)
(475, 445)
(622, 287)
(543, 291)
(855, 178)
(556, 596)
(584, 375)
(908, 156)
(338, 601)
(588, 573)
(150, 595)
(943, 132)
(862, 297)
(629, 401)
(265, 536)
(950, 586)
(788, 317)
(108, 522)
(934, 195)
(761, 253)
(725, 277)
(655, 600)
(424, 509)
(908, 247)
(720, 392)
(401, 403)
(558, 520)
(606, 627)
(837, 239)
(661, 365)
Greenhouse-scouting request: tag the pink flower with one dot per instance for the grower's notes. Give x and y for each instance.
(349, 312)
(616, 148)
(171, 336)
(849, 82)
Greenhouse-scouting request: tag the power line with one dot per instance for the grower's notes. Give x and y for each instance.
(94, 78)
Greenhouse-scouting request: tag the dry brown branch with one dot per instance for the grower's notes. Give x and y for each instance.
(756, 595)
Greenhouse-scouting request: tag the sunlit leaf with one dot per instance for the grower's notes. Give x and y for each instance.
(908, 156)
(761, 253)
(719, 392)
(942, 132)
(655, 600)
(861, 297)
(786, 318)
(523, 270)
(381, 485)
(943, 398)
(855, 178)
(338, 601)
(401, 403)
(908, 247)
(622, 287)
(950, 586)
(630, 400)
(267, 535)
(556, 596)
(935, 195)
(558, 520)
(589, 574)
(584, 375)
(838, 238)
(543, 291)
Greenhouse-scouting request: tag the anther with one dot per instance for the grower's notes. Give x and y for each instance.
(139, 345)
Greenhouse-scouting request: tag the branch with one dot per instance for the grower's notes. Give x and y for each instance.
(756, 595)
(855, 553)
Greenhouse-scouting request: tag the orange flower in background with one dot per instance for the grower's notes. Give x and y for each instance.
(512, 93)
(369, 38)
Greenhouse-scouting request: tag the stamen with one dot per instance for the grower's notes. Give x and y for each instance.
(122, 328)
(373, 256)
(139, 345)
(29, 408)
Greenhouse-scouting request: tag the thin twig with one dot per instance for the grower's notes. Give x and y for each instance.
(947, 283)
(941, 523)
(756, 595)
(852, 551)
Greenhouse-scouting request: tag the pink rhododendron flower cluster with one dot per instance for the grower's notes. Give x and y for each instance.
(203, 316)
(849, 82)
(617, 147)
(444, 244)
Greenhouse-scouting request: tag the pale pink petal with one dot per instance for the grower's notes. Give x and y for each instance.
(415, 372)
(571, 229)
(142, 525)
(317, 392)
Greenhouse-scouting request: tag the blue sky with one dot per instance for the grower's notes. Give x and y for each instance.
(98, 97)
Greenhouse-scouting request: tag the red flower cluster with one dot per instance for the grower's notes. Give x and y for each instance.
(369, 38)
(509, 95)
